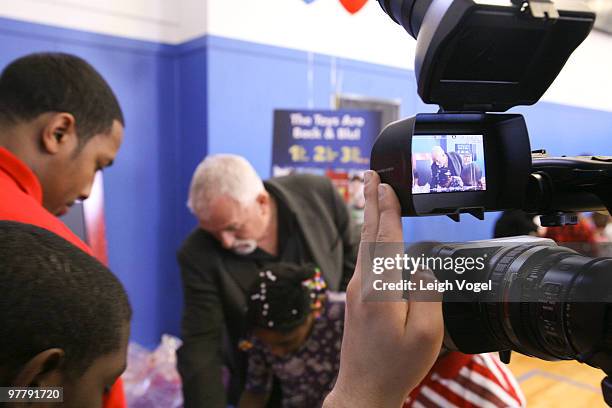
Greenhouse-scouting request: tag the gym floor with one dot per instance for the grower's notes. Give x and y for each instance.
(558, 384)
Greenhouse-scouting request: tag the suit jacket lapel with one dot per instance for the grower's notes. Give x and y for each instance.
(317, 243)
(243, 271)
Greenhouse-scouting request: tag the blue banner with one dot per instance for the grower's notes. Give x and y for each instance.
(335, 144)
(325, 140)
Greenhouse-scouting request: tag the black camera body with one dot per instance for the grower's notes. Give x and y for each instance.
(475, 58)
(484, 56)
(505, 151)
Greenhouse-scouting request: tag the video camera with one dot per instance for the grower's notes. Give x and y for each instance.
(475, 59)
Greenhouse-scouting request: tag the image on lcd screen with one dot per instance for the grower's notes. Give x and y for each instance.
(447, 163)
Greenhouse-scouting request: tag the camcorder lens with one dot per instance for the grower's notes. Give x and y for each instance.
(546, 301)
(476, 59)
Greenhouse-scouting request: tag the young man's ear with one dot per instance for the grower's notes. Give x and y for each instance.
(42, 370)
(59, 133)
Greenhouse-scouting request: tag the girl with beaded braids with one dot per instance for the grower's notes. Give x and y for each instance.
(296, 332)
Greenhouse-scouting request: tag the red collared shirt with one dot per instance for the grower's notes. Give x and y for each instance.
(21, 200)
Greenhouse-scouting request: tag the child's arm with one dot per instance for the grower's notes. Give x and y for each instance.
(250, 399)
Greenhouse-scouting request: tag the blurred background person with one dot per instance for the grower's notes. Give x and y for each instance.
(603, 233)
(580, 237)
(60, 123)
(417, 188)
(445, 169)
(356, 200)
(246, 226)
(471, 175)
(65, 318)
(296, 328)
(603, 227)
(467, 380)
(514, 223)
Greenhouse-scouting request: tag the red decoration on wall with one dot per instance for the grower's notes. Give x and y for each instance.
(353, 6)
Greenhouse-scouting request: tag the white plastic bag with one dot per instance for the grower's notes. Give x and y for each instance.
(151, 379)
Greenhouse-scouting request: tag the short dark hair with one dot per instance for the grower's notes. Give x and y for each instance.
(55, 295)
(513, 223)
(56, 82)
(600, 220)
(283, 296)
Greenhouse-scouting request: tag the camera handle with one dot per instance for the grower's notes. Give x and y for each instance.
(606, 389)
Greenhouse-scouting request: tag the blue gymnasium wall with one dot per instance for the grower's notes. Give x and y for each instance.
(248, 81)
(217, 95)
(165, 125)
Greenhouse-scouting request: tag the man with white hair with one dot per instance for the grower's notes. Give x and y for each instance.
(244, 225)
(445, 169)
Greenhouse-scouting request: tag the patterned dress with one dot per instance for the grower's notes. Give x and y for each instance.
(307, 375)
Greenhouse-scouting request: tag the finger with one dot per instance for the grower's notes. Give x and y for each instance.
(369, 230)
(390, 218)
(388, 247)
(370, 191)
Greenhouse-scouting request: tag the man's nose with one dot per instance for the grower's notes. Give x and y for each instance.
(86, 191)
(227, 239)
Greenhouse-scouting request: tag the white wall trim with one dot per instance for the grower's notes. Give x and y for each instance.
(162, 21)
(321, 27)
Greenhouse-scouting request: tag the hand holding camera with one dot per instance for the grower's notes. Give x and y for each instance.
(388, 347)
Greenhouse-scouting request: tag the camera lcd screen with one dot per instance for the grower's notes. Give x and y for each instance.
(447, 163)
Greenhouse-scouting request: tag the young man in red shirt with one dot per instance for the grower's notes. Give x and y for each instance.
(60, 122)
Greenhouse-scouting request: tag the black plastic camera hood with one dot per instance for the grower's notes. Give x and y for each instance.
(488, 56)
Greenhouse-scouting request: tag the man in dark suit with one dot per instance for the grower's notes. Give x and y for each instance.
(445, 169)
(244, 225)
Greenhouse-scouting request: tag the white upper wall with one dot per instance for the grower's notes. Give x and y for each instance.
(323, 26)
(167, 21)
(585, 79)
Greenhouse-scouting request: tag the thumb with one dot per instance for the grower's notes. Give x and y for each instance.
(425, 325)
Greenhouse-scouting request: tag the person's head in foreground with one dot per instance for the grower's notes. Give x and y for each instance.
(514, 223)
(62, 120)
(471, 174)
(600, 220)
(230, 202)
(283, 305)
(65, 317)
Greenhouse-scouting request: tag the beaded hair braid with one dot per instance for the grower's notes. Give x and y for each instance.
(284, 295)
